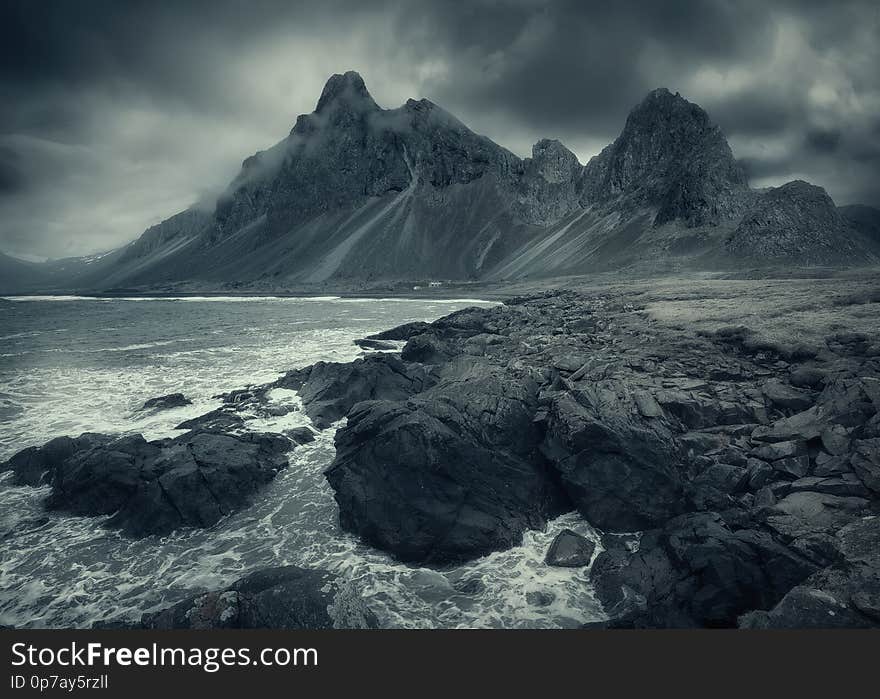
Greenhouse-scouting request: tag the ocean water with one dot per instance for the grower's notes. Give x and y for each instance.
(70, 365)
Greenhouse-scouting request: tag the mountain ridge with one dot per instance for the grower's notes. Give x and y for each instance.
(359, 194)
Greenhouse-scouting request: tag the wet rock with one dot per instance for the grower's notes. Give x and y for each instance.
(154, 487)
(539, 598)
(172, 400)
(274, 598)
(570, 550)
(219, 420)
(695, 572)
(35, 466)
(426, 349)
(402, 332)
(300, 435)
(619, 469)
(448, 475)
(329, 389)
(369, 344)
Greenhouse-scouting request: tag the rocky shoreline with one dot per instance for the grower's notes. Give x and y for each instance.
(744, 473)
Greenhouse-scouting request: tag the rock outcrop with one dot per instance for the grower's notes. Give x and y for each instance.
(796, 223)
(739, 459)
(670, 156)
(152, 487)
(172, 400)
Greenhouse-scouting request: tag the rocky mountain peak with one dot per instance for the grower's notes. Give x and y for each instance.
(346, 89)
(553, 161)
(670, 156)
(797, 222)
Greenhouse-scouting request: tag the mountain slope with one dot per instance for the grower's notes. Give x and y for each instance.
(357, 194)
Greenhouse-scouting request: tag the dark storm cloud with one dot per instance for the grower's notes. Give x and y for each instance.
(117, 115)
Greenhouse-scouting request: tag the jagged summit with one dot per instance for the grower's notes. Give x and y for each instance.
(555, 162)
(670, 156)
(357, 194)
(346, 89)
(798, 222)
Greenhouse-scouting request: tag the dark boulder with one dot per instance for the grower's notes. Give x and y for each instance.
(368, 344)
(172, 400)
(620, 469)
(427, 348)
(329, 389)
(274, 598)
(784, 397)
(36, 465)
(844, 595)
(695, 572)
(300, 435)
(154, 487)
(570, 550)
(221, 419)
(448, 475)
(402, 332)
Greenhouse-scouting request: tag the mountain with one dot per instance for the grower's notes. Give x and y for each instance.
(864, 219)
(670, 156)
(357, 194)
(797, 222)
(18, 275)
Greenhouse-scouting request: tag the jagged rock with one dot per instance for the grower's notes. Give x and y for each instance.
(793, 466)
(220, 420)
(780, 450)
(369, 344)
(329, 389)
(786, 397)
(619, 469)
(570, 550)
(670, 155)
(402, 332)
(448, 475)
(847, 485)
(844, 595)
(695, 572)
(803, 513)
(274, 598)
(35, 466)
(153, 487)
(697, 411)
(798, 223)
(300, 435)
(172, 400)
(426, 349)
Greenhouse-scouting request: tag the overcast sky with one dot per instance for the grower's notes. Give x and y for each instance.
(116, 115)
